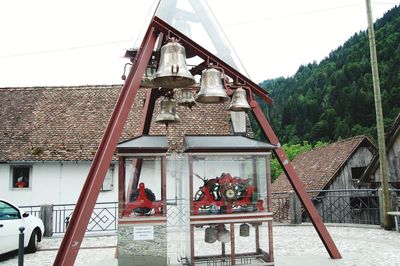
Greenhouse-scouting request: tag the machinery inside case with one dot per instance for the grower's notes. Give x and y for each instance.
(226, 194)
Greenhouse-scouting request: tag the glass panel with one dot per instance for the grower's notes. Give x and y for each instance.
(8, 212)
(149, 173)
(229, 184)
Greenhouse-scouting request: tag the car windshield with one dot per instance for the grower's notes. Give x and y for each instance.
(8, 212)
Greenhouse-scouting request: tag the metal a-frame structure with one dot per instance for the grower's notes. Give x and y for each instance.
(158, 30)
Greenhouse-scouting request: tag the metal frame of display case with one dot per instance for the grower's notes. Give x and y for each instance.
(140, 148)
(226, 146)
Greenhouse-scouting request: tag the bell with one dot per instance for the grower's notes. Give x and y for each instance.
(239, 101)
(223, 235)
(211, 87)
(210, 235)
(244, 230)
(187, 98)
(146, 81)
(172, 71)
(167, 112)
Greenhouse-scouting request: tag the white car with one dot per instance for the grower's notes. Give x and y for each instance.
(11, 219)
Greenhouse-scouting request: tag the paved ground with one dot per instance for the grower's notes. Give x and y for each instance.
(293, 245)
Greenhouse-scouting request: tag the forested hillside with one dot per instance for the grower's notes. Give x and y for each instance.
(334, 99)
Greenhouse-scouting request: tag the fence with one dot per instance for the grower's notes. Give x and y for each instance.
(359, 206)
(103, 218)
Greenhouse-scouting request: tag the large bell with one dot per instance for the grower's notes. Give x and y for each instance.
(172, 71)
(187, 98)
(167, 112)
(211, 87)
(239, 101)
(210, 235)
(223, 235)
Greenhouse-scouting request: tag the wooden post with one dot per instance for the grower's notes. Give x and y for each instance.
(383, 169)
(294, 208)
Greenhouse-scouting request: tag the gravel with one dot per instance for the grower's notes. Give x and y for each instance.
(293, 245)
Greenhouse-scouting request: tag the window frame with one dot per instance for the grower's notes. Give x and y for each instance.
(16, 166)
(110, 172)
(358, 170)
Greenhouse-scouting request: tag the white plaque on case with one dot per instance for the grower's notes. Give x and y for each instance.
(143, 233)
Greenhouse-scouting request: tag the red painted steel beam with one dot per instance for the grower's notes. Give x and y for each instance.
(190, 45)
(121, 185)
(296, 182)
(150, 101)
(76, 229)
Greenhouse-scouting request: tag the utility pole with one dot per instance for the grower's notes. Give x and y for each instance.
(379, 120)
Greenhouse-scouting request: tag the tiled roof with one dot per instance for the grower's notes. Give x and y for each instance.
(67, 123)
(318, 167)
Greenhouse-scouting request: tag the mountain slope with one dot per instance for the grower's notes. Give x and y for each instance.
(334, 99)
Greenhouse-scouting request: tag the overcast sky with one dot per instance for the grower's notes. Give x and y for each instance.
(77, 42)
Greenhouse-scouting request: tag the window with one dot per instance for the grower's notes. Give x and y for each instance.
(8, 212)
(356, 172)
(108, 182)
(21, 176)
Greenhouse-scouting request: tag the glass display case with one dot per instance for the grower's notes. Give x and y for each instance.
(142, 222)
(209, 205)
(230, 218)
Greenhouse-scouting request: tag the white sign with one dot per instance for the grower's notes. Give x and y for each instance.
(143, 233)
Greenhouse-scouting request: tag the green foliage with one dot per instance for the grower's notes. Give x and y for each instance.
(334, 99)
(292, 150)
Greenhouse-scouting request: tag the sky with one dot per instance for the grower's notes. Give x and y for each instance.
(81, 42)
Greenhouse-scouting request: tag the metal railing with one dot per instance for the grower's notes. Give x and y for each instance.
(357, 206)
(360, 206)
(103, 218)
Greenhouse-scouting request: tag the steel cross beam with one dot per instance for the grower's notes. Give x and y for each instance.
(296, 182)
(76, 229)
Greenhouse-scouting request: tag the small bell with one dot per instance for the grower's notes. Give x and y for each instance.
(210, 235)
(146, 81)
(223, 235)
(211, 87)
(187, 98)
(172, 71)
(244, 230)
(167, 112)
(239, 101)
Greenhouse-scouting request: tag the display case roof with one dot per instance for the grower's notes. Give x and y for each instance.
(238, 144)
(144, 144)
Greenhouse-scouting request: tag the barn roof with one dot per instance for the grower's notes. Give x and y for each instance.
(67, 123)
(390, 139)
(318, 168)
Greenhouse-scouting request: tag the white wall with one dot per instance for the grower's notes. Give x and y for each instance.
(53, 183)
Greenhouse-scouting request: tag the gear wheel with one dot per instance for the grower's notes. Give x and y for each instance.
(150, 196)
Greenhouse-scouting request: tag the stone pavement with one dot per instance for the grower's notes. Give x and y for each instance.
(293, 245)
